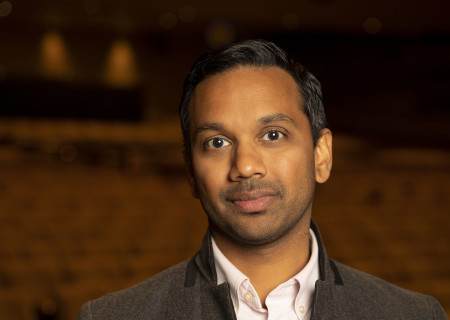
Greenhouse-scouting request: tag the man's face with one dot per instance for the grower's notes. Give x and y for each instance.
(253, 162)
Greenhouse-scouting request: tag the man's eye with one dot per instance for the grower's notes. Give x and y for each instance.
(216, 143)
(273, 135)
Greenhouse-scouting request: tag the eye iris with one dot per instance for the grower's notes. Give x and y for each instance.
(217, 143)
(274, 135)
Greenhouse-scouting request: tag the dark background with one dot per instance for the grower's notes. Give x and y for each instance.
(93, 196)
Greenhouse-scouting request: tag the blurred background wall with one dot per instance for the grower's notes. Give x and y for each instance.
(93, 195)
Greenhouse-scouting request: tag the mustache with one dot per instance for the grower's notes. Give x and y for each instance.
(276, 187)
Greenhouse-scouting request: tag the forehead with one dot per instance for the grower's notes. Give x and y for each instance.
(248, 91)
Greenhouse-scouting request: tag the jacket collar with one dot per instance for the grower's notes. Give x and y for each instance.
(203, 263)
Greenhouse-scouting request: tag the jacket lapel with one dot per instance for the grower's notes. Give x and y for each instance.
(215, 300)
(328, 287)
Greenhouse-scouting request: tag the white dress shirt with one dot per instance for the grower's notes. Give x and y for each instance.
(290, 300)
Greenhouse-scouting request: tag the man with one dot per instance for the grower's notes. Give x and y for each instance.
(255, 143)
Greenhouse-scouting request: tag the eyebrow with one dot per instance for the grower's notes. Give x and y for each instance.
(214, 126)
(277, 117)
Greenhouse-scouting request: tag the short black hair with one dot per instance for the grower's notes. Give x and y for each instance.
(260, 54)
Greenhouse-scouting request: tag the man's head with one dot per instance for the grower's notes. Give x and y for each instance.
(253, 159)
(255, 53)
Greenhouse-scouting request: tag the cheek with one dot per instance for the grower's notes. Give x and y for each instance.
(289, 162)
(209, 176)
(292, 167)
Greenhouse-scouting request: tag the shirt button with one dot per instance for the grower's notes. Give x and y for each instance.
(302, 309)
(248, 296)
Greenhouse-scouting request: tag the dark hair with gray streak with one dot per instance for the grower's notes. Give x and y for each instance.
(255, 53)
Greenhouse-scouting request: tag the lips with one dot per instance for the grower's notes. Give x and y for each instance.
(254, 201)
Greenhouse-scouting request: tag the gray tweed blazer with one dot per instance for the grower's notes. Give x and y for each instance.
(189, 290)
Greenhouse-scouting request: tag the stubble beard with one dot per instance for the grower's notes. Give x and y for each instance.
(259, 228)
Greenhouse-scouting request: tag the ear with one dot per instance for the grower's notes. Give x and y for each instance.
(323, 157)
(190, 175)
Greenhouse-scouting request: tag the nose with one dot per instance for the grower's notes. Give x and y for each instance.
(247, 162)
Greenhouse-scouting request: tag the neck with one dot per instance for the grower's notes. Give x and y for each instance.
(267, 266)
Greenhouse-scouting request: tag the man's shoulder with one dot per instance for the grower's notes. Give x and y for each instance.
(154, 294)
(159, 284)
(358, 281)
(365, 292)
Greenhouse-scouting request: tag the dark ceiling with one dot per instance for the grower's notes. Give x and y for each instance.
(403, 17)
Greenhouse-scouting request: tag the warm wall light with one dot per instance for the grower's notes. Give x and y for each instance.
(290, 21)
(219, 32)
(5, 8)
(168, 20)
(187, 14)
(121, 68)
(54, 57)
(372, 25)
(92, 6)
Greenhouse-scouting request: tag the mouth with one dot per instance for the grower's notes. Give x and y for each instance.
(254, 201)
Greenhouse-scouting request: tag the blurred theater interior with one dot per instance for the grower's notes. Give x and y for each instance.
(93, 195)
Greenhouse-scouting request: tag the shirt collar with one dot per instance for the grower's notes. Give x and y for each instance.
(227, 272)
(307, 277)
